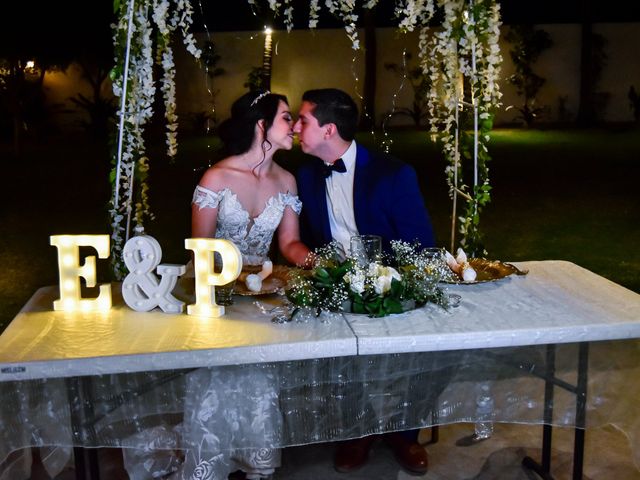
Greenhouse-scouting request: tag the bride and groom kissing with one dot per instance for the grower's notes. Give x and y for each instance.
(343, 190)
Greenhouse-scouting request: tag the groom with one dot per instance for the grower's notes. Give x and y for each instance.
(348, 190)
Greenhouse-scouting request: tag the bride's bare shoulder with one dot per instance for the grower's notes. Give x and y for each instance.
(219, 174)
(286, 179)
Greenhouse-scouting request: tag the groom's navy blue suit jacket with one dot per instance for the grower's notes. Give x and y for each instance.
(386, 201)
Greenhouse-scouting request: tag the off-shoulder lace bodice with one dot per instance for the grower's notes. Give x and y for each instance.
(252, 235)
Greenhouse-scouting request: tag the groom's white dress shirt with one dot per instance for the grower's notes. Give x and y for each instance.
(339, 193)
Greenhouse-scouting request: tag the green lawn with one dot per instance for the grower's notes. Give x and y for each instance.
(568, 195)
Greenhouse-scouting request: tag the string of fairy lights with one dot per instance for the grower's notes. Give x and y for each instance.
(387, 141)
(210, 119)
(208, 86)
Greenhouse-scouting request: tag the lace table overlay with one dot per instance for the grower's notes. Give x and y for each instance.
(206, 423)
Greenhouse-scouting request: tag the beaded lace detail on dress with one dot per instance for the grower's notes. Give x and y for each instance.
(251, 235)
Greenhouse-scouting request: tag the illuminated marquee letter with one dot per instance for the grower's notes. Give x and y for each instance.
(206, 279)
(70, 272)
(141, 289)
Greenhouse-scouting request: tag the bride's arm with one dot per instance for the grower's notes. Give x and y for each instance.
(289, 240)
(203, 221)
(204, 207)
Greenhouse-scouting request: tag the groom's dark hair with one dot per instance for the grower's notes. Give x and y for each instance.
(334, 106)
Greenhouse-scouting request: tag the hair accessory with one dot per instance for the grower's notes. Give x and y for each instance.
(259, 97)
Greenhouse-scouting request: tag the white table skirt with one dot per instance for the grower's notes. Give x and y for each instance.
(315, 381)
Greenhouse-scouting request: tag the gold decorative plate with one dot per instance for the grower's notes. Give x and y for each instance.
(491, 270)
(274, 283)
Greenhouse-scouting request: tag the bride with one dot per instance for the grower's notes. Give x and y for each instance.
(232, 418)
(246, 197)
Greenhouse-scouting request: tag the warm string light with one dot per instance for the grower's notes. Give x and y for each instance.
(208, 83)
(266, 58)
(388, 141)
(360, 96)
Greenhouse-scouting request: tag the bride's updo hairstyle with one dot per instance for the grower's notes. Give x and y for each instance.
(237, 132)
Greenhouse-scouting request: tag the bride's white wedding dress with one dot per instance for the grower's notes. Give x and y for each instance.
(232, 416)
(252, 235)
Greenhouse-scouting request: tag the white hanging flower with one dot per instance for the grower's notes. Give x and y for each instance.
(464, 51)
(169, 17)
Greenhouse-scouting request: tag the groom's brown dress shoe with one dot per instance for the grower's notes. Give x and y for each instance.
(352, 454)
(409, 454)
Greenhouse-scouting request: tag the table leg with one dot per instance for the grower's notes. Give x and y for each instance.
(547, 430)
(548, 408)
(86, 459)
(86, 463)
(580, 391)
(581, 410)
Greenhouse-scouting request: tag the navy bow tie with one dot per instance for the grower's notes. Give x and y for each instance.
(337, 166)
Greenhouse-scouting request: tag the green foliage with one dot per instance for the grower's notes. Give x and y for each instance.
(336, 284)
(480, 195)
(255, 79)
(528, 43)
(210, 59)
(322, 288)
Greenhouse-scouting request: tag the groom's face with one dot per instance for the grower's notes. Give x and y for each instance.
(310, 133)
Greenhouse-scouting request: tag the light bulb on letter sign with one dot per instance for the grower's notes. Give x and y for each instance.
(206, 278)
(70, 272)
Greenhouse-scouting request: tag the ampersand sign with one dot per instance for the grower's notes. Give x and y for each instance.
(141, 289)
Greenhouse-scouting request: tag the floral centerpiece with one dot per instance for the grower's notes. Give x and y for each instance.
(406, 279)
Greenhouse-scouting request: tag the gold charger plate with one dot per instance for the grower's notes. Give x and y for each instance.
(274, 283)
(491, 270)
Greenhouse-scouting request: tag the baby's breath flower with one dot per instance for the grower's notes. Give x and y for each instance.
(376, 288)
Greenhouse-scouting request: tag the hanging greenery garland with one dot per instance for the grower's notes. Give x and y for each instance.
(462, 55)
(142, 38)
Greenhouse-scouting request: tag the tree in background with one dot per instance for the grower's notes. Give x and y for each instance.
(95, 59)
(528, 43)
(598, 99)
(50, 40)
(255, 79)
(26, 54)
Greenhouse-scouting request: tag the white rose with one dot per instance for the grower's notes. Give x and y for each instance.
(356, 281)
(382, 284)
(374, 270)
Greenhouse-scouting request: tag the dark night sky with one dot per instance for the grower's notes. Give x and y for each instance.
(238, 14)
(27, 20)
